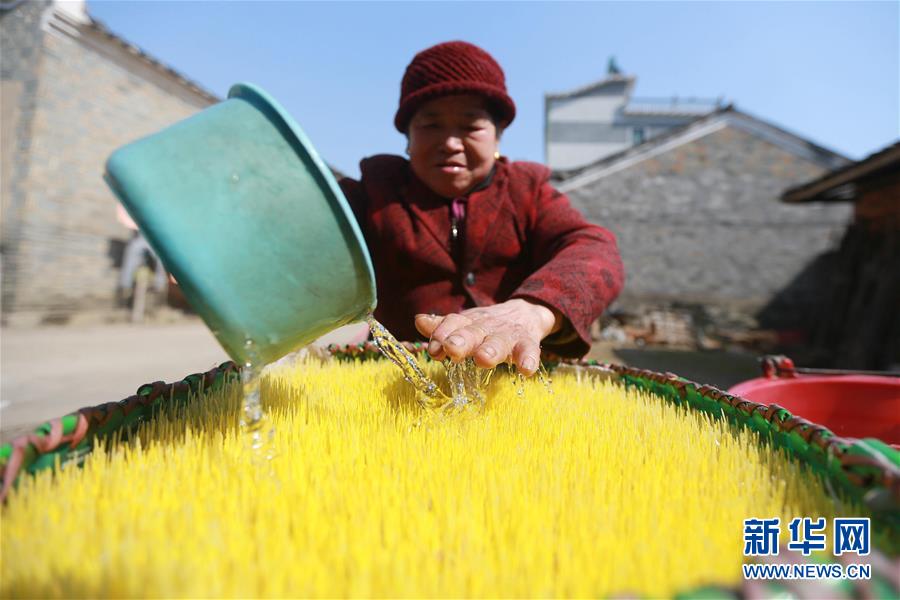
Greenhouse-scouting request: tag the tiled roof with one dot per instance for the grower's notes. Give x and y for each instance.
(85, 21)
(674, 106)
(698, 127)
(828, 187)
(580, 91)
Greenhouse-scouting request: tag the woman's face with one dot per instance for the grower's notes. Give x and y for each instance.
(452, 141)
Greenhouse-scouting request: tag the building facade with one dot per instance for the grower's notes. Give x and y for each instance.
(698, 219)
(601, 119)
(72, 92)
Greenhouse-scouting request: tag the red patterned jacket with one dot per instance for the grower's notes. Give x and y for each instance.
(521, 239)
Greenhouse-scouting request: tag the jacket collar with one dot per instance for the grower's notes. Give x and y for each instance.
(483, 205)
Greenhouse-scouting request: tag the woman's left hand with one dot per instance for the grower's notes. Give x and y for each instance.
(491, 334)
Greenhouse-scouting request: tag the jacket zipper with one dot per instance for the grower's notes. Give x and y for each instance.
(454, 229)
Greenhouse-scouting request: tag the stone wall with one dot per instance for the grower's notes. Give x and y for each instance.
(90, 96)
(702, 224)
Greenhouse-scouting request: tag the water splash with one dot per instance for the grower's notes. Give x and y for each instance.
(468, 381)
(518, 381)
(430, 395)
(544, 376)
(253, 417)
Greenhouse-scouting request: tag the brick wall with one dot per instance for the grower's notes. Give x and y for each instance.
(21, 39)
(91, 96)
(702, 223)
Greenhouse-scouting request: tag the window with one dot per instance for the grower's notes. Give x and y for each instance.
(637, 136)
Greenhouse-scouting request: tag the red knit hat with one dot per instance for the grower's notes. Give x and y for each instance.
(453, 68)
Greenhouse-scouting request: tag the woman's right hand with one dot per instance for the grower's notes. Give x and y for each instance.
(509, 331)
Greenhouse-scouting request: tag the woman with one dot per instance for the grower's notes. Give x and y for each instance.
(492, 261)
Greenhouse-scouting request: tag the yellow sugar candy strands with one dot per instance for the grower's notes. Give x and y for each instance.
(590, 491)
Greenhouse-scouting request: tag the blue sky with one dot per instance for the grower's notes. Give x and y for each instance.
(829, 71)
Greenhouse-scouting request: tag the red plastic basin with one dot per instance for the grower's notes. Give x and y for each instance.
(849, 405)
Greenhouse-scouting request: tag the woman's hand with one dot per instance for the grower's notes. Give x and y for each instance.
(492, 334)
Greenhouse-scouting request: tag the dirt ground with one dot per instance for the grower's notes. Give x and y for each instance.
(721, 368)
(48, 372)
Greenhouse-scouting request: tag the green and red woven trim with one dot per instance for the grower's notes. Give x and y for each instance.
(71, 438)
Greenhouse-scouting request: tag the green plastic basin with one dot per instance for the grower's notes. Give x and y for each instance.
(250, 221)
